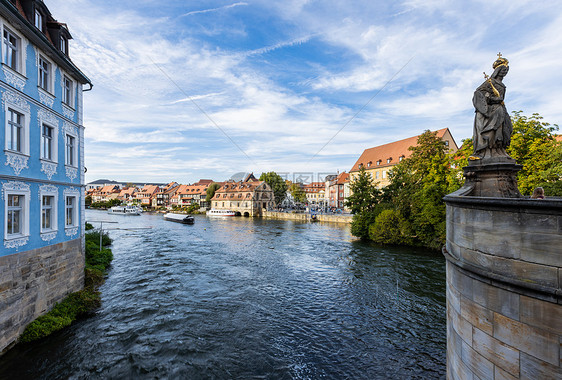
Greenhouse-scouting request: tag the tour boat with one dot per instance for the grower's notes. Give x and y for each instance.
(214, 212)
(179, 218)
(125, 210)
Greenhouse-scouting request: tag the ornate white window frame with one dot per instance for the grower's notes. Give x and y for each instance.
(22, 189)
(72, 192)
(13, 101)
(49, 190)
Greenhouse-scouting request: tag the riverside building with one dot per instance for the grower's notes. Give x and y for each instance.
(41, 166)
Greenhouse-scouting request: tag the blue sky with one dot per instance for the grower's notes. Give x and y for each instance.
(204, 89)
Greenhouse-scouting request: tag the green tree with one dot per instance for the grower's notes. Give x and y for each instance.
(390, 228)
(534, 146)
(417, 187)
(277, 184)
(364, 203)
(213, 187)
(298, 193)
(364, 193)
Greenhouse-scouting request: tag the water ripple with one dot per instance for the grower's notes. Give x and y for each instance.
(253, 299)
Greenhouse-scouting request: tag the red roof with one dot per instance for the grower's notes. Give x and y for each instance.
(389, 154)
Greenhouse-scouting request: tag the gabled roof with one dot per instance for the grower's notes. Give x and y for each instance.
(392, 151)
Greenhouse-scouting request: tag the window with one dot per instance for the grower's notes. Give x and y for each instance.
(384, 174)
(400, 158)
(70, 212)
(15, 131)
(446, 142)
(11, 49)
(67, 91)
(47, 151)
(38, 20)
(377, 175)
(48, 211)
(70, 150)
(44, 74)
(388, 160)
(15, 215)
(63, 45)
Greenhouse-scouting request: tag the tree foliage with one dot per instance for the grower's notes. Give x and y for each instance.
(297, 193)
(364, 193)
(211, 190)
(533, 145)
(277, 184)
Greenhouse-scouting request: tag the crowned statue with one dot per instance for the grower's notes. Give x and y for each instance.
(492, 124)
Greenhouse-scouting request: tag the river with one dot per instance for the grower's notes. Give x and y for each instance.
(245, 298)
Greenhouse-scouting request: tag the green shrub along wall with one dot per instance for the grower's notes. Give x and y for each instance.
(81, 303)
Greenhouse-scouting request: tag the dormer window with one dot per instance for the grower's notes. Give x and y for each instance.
(400, 158)
(388, 160)
(360, 166)
(379, 162)
(369, 164)
(63, 45)
(38, 20)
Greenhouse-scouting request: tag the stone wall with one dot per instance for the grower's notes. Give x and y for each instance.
(331, 218)
(32, 282)
(504, 297)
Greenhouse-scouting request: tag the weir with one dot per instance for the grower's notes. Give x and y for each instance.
(503, 251)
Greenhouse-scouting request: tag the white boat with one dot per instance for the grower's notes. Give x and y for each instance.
(214, 212)
(179, 218)
(125, 210)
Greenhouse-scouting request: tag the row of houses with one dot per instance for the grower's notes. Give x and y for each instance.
(250, 196)
(378, 161)
(152, 195)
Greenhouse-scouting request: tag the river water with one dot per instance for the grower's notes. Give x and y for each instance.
(245, 298)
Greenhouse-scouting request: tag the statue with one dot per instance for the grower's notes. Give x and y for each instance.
(492, 124)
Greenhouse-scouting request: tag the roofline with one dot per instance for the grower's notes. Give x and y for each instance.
(41, 40)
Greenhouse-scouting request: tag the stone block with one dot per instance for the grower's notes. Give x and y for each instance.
(478, 365)
(496, 299)
(495, 351)
(477, 315)
(500, 374)
(538, 343)
(532, 369)
(520, 271)
(453, 298)
(503, 243)
(541, 248)
(461, 326)
(461, 282)
(505, 221)
(463, 235)
(538, 223)
(541, 314)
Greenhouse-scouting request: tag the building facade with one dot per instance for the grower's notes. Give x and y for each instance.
(42, 170)
(379, 160)
(248, 197)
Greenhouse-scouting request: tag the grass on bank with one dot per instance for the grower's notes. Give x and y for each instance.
(81, 303)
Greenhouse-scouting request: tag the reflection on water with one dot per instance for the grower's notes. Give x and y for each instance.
(251, 298)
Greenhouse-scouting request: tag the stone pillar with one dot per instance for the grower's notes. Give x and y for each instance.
(504, 296)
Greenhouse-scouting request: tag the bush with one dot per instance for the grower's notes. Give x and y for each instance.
(361, 222)
(63, 314)
(89, 226)
(94, 236)
(391, 228)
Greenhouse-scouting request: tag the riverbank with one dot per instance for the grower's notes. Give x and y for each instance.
(84, 302)
(305, 217)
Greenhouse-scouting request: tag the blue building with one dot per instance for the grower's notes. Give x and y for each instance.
(41, 166)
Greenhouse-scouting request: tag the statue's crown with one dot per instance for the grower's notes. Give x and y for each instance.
(501, 61)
